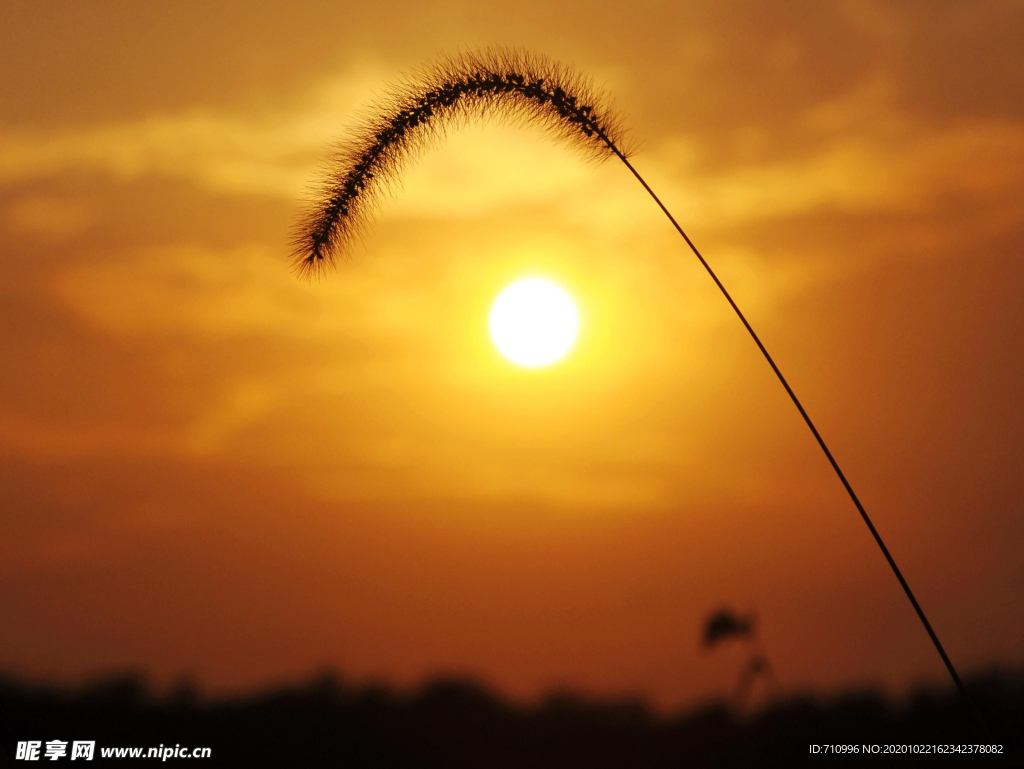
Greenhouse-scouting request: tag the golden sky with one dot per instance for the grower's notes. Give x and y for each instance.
(208, 466)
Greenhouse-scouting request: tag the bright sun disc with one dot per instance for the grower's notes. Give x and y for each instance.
(533, 322)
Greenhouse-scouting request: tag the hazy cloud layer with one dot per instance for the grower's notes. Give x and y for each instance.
(192, 439)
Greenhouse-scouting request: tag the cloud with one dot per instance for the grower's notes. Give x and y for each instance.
(49, 218)
(247, 152)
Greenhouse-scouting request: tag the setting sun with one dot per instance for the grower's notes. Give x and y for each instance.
(533, 322)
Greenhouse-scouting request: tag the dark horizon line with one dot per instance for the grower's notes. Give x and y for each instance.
(137, 685)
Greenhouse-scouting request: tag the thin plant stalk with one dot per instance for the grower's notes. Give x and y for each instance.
(522, 88)
(824, 447)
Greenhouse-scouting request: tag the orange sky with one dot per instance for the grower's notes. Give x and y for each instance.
(207, 466)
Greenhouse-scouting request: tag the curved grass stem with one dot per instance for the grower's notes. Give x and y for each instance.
(821, 442)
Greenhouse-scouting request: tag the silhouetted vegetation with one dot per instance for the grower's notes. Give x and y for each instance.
(726, 625)
(454, 723)
(508, 84)
(495, 83)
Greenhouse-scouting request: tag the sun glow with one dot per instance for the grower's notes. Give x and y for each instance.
(533, 322)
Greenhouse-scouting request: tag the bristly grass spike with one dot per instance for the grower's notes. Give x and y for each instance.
(510, 86)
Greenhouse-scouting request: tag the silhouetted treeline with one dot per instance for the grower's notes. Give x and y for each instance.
(452, 724)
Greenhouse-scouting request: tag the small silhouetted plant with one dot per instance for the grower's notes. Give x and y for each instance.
(725, 625)
(510, 86)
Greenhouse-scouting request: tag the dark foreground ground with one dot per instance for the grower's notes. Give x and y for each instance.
(456, 724)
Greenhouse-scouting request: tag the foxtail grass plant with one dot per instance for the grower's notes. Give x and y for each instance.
(519, 88)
